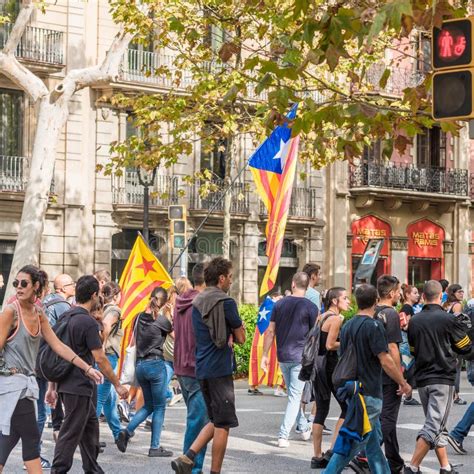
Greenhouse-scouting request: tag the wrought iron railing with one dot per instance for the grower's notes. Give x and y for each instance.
(398, 80)
(302, 205)
(37, 44)
(13, 173)
(126, 189)
(240, 198)
(471, 186)
(410, 178)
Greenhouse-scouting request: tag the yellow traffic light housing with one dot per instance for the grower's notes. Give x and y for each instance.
(177, 217)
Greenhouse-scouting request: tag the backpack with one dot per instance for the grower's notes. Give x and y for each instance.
(50, 365)
(346, 367)
(311, 352)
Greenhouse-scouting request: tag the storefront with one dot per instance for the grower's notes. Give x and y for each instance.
(425, 252)
(371, 227)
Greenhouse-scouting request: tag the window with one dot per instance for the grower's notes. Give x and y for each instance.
(11, 122)
(423, 53)
(214, 159)
(373, 153)
(431, 148)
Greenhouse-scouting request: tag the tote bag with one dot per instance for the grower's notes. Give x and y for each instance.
(128, 376)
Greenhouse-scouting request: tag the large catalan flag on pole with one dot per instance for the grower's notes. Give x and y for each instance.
(141, 275)
(273, 166)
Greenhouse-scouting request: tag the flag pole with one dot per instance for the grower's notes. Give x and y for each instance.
(211, 210)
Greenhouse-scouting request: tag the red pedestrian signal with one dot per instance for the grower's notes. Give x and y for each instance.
(453, 64)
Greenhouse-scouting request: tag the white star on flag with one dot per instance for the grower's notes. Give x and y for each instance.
(263, 314)
(282, 152)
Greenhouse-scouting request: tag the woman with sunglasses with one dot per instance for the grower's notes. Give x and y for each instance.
(22, 325)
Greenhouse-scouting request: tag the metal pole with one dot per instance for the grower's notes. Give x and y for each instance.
(146, 204)
(211, 210)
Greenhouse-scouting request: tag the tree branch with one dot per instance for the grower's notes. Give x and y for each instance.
(9, 64)
(107, 72)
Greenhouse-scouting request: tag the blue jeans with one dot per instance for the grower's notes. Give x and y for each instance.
(377, 461)
(43, 388)
(151, 375)
(461, 430)
(107, 400)
(169, 376)
(196, 417)
(293, 413)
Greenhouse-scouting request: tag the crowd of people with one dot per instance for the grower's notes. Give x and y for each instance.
(401, 337)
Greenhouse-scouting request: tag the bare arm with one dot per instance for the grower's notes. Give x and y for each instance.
(105, 367)
(6, 324)
(395, 354)
(268, 339)
(332, 343)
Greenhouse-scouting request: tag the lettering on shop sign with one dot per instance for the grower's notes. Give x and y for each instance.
(365, 234)
(425, 239)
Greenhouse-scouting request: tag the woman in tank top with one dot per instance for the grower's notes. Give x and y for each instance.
(22, 325)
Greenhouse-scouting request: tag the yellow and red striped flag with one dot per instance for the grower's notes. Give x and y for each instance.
(273, 167)
(141, 275)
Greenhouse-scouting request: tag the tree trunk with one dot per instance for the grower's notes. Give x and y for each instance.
(51, 120)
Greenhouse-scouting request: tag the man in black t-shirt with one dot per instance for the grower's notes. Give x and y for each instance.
(368, 336)
(388, 288)
(76, 390)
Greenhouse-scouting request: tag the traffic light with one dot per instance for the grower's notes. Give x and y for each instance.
(453, 63)
(177, 217)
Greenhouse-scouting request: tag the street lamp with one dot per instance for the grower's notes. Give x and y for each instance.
(146, 180)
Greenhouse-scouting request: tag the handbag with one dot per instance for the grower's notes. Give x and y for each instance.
(129, 367)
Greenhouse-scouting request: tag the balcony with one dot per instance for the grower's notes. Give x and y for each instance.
(399, 79)
(38, 45)
(126, 190)
(409, 178)
(240, 198)
(302, 205)
(13, 173)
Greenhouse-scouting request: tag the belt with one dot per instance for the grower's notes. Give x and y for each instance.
(150, 357)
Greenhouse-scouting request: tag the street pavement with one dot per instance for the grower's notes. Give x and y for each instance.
(253, 445)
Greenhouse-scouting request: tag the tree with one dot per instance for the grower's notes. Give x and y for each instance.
(52, 114)
(326, 55)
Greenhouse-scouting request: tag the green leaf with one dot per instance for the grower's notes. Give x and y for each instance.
(384, 79)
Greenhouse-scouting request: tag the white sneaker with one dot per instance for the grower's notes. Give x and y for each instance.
(176, 399)
(283, 443)
(305, 435)
(279, 392)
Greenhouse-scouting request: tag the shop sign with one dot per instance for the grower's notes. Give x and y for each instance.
(369, 227)
(425, 240)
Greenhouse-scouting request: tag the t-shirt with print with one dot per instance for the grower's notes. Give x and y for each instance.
(211, 361)
(391, 322)
(84, 336)
(370, 341)
(293, 317)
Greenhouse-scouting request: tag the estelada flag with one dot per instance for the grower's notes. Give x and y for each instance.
(141, 275)
(273, 167)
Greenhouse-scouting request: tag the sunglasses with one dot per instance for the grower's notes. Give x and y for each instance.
(22, 283)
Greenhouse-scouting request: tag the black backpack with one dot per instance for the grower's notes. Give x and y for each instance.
(50, 365)
(311, 351)
(346, 368)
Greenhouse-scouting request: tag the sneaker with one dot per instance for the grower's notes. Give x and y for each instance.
(411, 402)
(280, 392)
(122, 440)
(55, 435)
(310, 419)
(459, 401)
(102, 418)
(456, 445)
(359, 465)
(175, 399)
(102, 444)
(283, 443)
(45, 464)
(409, 470)
(328, 454)
(319, 463)
(147, 425)
(182, 465)
(306, 435)
(326, 431)
(254, 391)
(452, 471)
(159, 453)
(124, 411)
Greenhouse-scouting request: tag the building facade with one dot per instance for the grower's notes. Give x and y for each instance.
(93, 219)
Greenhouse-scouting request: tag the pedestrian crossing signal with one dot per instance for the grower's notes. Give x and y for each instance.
(452, 58)
(177, 216)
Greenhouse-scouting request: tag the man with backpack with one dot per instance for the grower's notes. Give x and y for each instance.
(292, 319)
(363, 355)
(76, 391)
(388, 288)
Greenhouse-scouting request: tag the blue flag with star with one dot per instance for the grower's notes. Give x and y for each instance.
(264, 314)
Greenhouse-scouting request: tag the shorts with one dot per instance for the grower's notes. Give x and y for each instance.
(219, 398)
(437, 401)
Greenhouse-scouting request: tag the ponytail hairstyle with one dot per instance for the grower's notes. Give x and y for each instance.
(109, 291)
(158, 299)
(37, 276)
(406, 290)
(332, 294)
